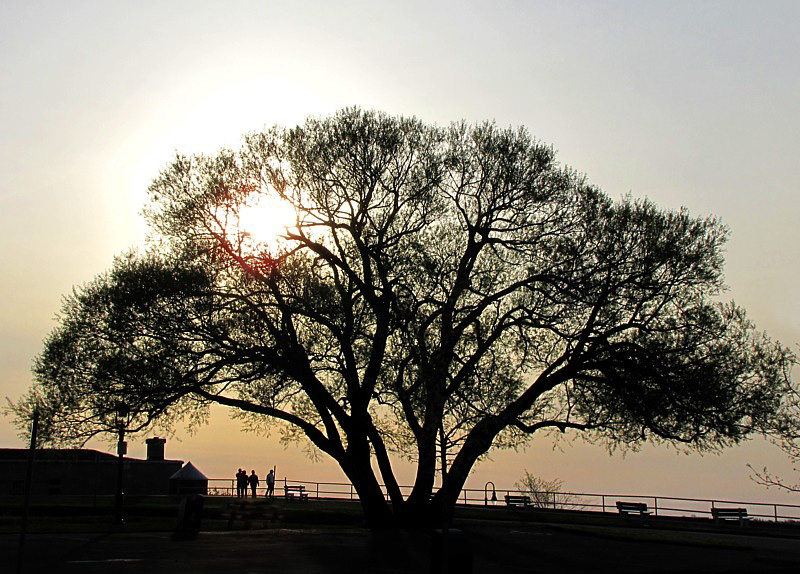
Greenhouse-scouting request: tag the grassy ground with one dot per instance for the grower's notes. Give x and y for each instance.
(160, 514)
(72, 534)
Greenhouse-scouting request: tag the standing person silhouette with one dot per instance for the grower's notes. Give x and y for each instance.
(271, 483)
(253, 480)
(241, 483)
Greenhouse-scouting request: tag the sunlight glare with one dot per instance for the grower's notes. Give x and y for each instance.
(266, 221)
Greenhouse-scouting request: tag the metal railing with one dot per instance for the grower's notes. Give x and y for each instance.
(328, 490)
(582, 501)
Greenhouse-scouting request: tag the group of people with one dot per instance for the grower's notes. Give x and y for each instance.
(243, 480)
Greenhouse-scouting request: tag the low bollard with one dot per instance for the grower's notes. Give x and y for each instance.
(190, 515)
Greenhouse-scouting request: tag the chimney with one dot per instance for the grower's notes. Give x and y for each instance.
(155, 448)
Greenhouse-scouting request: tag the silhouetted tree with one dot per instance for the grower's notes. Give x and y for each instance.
(444, 291)
(545, 493)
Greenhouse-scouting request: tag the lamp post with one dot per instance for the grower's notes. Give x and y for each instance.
(121, 417)
(486, 492)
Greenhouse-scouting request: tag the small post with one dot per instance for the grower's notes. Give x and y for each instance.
(122, 411)
(118, 519)
(604, 502)
(28, 487)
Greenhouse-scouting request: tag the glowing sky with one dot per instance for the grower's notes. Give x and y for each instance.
(691, 103)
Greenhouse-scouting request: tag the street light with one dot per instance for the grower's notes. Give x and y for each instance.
(486, 492)
(121, 418)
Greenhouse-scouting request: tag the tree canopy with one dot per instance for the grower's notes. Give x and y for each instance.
(443, 291)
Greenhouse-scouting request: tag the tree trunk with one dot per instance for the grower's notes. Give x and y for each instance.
(478, 442)
(426, 471)
(377, 512)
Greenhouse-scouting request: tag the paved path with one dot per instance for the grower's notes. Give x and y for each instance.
(507, 548)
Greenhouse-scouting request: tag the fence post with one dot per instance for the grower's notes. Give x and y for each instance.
(775, 507)
(655, 505)
(604, 502)
(351, 492)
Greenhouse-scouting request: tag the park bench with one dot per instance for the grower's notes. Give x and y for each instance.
(515, 500)
(249, 512)
(723, 514)
(629, 508)
(291, 489)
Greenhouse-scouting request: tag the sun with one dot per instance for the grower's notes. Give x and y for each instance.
(266, 221)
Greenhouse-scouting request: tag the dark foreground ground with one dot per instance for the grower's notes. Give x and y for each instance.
(504, 548)
(507, 543)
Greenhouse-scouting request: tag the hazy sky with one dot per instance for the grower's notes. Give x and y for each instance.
(689, 103)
